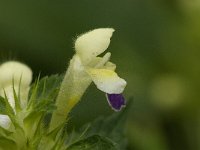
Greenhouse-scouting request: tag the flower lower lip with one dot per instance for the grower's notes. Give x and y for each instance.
(116, 101)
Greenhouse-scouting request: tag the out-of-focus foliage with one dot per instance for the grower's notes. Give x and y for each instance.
(156, 46)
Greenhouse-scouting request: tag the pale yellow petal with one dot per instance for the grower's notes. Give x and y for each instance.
(5, 121)
(110, 66)
(99, 62)
(93, 43)
(14, 70)
(107, 80)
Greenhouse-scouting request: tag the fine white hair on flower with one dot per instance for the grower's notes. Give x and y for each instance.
(93, 43)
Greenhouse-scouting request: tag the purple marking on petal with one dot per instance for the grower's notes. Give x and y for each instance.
(116, 101)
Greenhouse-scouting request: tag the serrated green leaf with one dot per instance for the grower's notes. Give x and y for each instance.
(94, 142)
(42, 95)
(47, 87)
(111, 127)
(16, 98)
(32, 94)
(9, 110)
(17, 101)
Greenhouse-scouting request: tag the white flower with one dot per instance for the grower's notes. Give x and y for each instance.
(20, 75)
(84, 68)
(88, 46)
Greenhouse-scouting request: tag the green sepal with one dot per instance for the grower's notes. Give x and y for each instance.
(3, 110)
(17, 101)
(8, 109)
(41, 104)
(111, 127)
(17, 98)
(46, 88)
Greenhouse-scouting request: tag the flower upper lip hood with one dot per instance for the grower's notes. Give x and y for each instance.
(88, 46)
(93, 43)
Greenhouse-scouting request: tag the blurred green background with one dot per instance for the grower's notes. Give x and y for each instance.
(156, 47)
